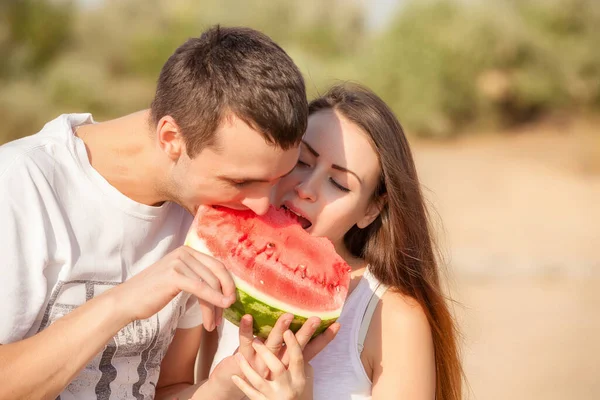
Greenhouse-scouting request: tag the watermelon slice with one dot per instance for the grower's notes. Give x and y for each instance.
(276, 265)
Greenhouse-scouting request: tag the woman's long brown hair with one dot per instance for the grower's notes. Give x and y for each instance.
(398, 245)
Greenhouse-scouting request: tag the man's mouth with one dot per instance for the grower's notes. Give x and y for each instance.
(302, 220)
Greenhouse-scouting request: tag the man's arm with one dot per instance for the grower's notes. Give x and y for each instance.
(43, 365)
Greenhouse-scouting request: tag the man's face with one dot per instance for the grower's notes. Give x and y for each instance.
(238, 171)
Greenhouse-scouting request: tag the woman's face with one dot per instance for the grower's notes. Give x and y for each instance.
(333, 183)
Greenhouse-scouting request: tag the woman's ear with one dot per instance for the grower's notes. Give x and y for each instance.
(373, 211)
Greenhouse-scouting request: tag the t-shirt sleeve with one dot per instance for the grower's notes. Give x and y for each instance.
(192, 316)
(23, 247)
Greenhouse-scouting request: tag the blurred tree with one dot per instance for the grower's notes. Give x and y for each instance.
(443, 65)
(32, 34)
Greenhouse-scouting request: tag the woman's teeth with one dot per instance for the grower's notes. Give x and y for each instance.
(305, 223)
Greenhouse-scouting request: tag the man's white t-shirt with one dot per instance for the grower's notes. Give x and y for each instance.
(66, 236)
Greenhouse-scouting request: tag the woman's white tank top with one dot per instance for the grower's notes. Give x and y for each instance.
(338, 370)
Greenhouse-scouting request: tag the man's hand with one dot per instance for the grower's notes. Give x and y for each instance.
(184, 269)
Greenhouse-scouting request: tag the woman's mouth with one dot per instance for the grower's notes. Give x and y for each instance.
(302, 220)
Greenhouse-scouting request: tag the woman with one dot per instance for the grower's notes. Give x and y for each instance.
(356, 184)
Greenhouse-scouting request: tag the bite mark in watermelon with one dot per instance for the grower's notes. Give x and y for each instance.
(276, 265)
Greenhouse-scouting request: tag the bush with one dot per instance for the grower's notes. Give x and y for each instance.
(442, 65)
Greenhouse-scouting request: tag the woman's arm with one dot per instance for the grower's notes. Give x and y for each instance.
(177, 367)
(399, 350)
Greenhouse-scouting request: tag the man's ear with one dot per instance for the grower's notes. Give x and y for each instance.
(169, 137)
(373, 211)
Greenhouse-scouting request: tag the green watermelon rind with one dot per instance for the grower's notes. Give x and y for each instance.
(265, 316)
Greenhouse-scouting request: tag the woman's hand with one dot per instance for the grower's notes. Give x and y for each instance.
(291, 383)
(221, 376)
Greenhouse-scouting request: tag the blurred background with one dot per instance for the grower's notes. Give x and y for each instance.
(501, 101)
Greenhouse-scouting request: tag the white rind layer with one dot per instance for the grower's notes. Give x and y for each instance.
(192, 240)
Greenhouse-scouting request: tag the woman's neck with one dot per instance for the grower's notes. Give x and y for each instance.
(357, 265)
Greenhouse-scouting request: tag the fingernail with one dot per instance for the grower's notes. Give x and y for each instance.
(316, 324)
(256, 342)
(246, 320)
(238, 357)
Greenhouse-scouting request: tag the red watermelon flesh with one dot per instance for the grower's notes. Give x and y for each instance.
(277, 266)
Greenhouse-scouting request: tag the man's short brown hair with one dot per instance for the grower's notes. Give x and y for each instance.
(232, 70)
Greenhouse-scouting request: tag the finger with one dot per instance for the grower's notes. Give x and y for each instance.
(218, 269)
(308, 329)
(200, 270)
(246, 337)
(204, 273)
(207, 268)
(304, 335)
(296, 367)
(204, 293)
(248, 390)
(250, 374)
(275, 338)
(208, 310)
(270, 359)
(274, 341)
(211, 313)
(319, 342)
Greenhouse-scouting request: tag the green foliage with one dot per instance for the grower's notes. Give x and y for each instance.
(442, 65)
(33, 33)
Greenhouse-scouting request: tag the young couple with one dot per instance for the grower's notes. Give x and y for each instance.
(101, 300)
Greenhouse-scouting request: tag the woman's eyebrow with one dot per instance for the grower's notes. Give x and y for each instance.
(340, 168)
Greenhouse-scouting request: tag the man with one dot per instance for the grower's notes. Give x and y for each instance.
(96, 286)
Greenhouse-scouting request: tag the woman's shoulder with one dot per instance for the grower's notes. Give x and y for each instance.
(399, 347)
(401, 316)
(399, 328)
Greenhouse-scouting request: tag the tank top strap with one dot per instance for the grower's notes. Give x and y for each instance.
(377, 289)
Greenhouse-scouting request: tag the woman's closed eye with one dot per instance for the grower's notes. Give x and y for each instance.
(339, 186)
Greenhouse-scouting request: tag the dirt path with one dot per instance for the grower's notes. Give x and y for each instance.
(521, 220)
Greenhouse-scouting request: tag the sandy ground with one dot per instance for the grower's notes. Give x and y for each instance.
(531, 340)
(520, 230)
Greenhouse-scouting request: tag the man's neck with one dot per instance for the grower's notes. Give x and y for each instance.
(123, 152)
